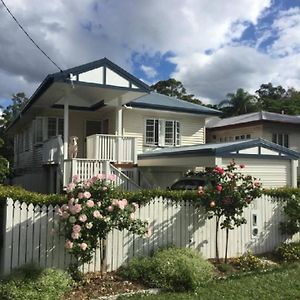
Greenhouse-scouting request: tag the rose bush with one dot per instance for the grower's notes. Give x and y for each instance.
(225, 198)
(91, 213)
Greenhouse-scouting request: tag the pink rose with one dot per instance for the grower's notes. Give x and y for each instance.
(76, 228)
(64, 207)
(75, 178)
(110, 208)
(256, 184)
(82, 218)
(75, 235)
(68, 244)
(80, 195)
(104, 188)
(242, 166)
(149, 232)
(97, 214)
(101, 176)
(77, 208)
(132, 216)
(90, 203)
(99, 203)
(135, 205)
(219, 170)
(65, 215)
(122, 203)
(83, 246)
(112, 177)
(219, 188)
(87, 195)
(115, 202)
(70, 187)
(93, 179)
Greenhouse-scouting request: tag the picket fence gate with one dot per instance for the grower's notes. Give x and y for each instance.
(33, 234)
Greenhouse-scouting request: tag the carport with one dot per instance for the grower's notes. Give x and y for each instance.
(274, 165)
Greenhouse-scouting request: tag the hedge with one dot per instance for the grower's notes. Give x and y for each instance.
(141, 197)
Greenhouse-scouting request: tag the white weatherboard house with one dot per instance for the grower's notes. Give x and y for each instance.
(145, 138)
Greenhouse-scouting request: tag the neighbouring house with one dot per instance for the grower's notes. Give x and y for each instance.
(280, 129)
(115, 117)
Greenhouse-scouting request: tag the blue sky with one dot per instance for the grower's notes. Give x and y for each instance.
(213, 47)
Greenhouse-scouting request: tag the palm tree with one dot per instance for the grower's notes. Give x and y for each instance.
(238, 103)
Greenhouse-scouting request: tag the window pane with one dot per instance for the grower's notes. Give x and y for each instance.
(177, 133)
(39, 130)
(61, 127)
(280, 139)
(51, 127)
(169, 133)
(248, 136)
(151, 132)
(286, 140)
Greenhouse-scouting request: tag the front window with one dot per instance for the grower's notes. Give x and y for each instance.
(162, 132)
(55, 127)
(281, 139)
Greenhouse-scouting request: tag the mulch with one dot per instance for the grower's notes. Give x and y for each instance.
(96, 285)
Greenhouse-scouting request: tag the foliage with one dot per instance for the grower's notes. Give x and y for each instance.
(4, 168)
(225, 268)
(290, 201)
(18, 193)
(275, 284)
(9, 113)
(249, 262)
(238, 103)
(29, 283)
(170, 268)
(91, 213)
(140, 197)
(288, 252)
(231, 191)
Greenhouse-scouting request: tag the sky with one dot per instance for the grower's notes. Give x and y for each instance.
(212, 47)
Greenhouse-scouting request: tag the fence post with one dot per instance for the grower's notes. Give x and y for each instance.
(7, 236)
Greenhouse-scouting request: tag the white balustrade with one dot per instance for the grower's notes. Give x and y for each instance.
(121, 149)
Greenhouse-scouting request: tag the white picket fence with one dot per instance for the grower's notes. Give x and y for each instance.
(31, 234)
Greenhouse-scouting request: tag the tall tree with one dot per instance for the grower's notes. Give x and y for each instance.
(174, 88)
(9, 113)
(238, 103)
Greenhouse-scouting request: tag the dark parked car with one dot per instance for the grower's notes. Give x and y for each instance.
(189, 183)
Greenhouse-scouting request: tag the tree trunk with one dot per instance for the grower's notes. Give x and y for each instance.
(217, 245)
(226, 246)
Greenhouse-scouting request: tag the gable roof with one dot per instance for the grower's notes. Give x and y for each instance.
(254, 117)
(135, 84)
(222, 149)
(163, 102)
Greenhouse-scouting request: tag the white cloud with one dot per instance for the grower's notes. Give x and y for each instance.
(150, 72)
(77, 32)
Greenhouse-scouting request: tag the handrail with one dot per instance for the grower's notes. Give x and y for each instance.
(111, 135)
(121, 174)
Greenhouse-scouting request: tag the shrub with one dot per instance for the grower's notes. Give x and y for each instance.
(171, 268)
(249, 262)
(288, 252)
(225, 268)
(29, 283)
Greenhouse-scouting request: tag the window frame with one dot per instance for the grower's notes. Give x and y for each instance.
(159, 134)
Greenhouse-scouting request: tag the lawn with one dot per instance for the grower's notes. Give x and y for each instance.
(282, 283)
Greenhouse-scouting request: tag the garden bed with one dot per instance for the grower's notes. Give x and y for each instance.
(96, 285)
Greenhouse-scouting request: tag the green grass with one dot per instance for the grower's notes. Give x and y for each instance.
(281, 283)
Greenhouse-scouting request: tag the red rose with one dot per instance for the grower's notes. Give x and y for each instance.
(219, 188)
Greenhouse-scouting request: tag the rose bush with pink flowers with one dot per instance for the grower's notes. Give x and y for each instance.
(91, 213)
(225, 198)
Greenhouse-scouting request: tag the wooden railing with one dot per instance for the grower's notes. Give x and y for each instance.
(52, 150)
(87, 168)
(120, 149)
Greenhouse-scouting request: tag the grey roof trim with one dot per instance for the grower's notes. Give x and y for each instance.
(221, 149)
(254, 117)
